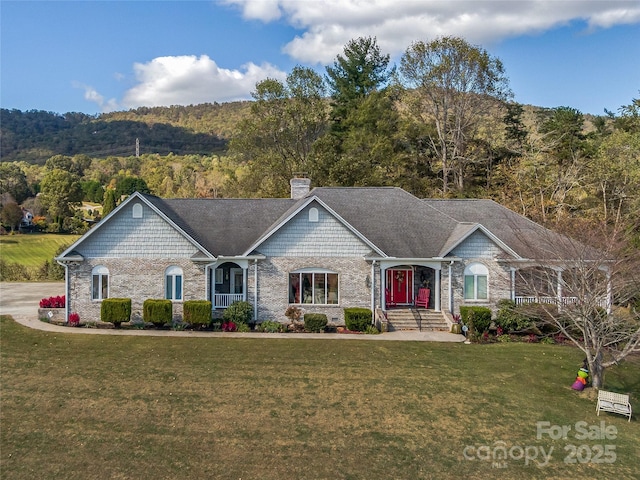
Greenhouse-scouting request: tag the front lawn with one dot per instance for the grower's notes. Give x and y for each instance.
(33, 249)
(103, 406)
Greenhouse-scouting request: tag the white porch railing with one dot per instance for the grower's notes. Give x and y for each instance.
(223, 300)
(563, 301)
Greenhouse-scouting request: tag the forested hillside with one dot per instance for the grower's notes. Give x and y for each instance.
(34, 136)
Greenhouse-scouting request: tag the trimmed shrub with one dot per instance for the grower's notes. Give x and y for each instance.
(357, 319)
(197, 312)
(269, 326)
(512, 318)
(238, 312)
(478, 318)
(157, 311)
(315, 322)
(115, 310)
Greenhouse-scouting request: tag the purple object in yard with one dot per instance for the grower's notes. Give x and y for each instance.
(578, 385)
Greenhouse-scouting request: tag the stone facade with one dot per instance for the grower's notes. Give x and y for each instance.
(137, 245)
(273, 289)
(136, 278)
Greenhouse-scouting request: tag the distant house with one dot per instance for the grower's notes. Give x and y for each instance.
(26, 224)
(322, 250)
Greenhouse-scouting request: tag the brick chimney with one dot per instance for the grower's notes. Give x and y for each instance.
(299, 187)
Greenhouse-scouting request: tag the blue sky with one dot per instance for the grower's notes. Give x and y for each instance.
(98, 56)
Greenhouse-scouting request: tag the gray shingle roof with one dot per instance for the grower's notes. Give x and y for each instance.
(398, 223)
(527, 238)
(223, 226)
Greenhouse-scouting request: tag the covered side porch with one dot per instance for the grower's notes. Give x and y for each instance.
(559, 286)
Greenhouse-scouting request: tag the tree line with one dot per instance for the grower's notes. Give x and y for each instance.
(442, 123)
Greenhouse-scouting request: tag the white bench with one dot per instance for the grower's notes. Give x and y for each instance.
(613, 402)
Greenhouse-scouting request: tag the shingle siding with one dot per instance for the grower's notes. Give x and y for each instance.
(477, 245)
(325, 238)
(147, 237)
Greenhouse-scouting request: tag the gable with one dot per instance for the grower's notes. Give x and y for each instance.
(136, 231)
(301, 237)
(477, 245)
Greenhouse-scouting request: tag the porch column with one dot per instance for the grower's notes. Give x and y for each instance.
(373, 291)
(609, 292)
(449, 272)
(513, 284)
(255, 290)
(436, 304)
(559, 289)
(383, 287)
(244, 284)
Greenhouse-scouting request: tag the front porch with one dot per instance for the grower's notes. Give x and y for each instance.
(227, 284)
(411, 286)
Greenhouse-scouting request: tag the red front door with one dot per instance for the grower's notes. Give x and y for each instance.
(399, 286)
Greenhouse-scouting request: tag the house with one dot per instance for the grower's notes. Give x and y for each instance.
(322, 250)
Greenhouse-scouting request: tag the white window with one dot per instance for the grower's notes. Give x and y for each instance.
(99, 283)
(476, 282)
(319, 287)
(137, 210)
(173, 283)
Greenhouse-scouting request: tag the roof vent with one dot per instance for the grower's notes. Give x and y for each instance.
(299, 187)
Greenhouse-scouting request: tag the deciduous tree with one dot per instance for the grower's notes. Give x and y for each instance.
(452, 84)
(286, 119)
(601, 314)
(61, 192)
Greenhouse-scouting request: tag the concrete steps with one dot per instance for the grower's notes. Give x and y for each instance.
(411, 319)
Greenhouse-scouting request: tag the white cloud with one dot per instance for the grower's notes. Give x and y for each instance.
(185, 80)
(92, 95)
(330, 24)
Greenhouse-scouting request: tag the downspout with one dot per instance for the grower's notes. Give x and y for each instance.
(255, 290)
(67, 300)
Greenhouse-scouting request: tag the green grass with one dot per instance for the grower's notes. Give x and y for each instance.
(103, 406)
(32, 249)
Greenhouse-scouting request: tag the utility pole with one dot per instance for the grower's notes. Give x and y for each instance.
(137, 147)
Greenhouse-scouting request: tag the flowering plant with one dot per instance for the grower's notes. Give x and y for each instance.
(53, 302)
(74, 320)
(229, 327)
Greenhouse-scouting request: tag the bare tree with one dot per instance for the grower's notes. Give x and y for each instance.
(453, 84)
(590, 295)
